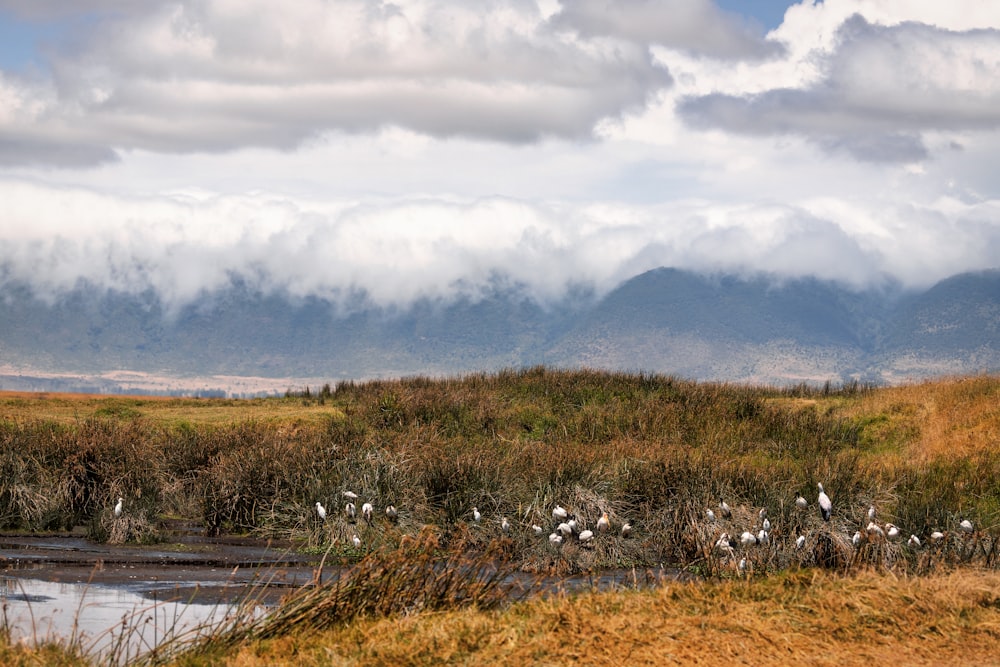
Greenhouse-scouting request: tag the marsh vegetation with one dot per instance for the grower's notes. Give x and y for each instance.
(652, 451)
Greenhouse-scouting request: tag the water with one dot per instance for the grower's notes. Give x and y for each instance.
(104, 620)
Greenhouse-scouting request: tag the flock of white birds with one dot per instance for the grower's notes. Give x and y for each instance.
(567, 527)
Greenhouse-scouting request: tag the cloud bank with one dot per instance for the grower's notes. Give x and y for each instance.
(428, 148)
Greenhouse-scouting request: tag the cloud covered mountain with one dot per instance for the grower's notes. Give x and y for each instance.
(719, 327)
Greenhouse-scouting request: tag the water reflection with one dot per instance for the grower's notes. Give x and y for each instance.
(102, 619)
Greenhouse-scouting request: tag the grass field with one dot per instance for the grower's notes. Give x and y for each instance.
(653, 451)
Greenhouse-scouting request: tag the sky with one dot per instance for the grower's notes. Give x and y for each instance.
(435, 148)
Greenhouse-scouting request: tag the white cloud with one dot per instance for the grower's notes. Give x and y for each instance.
(872, 86)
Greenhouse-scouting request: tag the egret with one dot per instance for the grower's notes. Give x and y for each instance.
(366, 512)
(572, 524)
(874, 530)
(767, 525)
(564, 529)
(626, 529)
(825, 506)
(350, 511)
(350, 495)
(748, 539)
(724, 508)
(476, 516)
(937, 536)
(538, 529)
(892, 531)
(722, 544)
(555, 538)
(120, 506)
(856, 540)
(559, 514)
(966, 526)
(800, 542)
(914, 541)
(604, 523)
(586, 536)
(871, 513)
(321, 511)
(710, 515)
(763, 538)
(505, 525)
(391, 512)
(801, 502)
(743, 565)
(357, 541)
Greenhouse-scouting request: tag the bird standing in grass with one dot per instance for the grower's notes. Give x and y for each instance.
(476, 516)
(119, 507)
(604, 523)
(724, 508)
(801, 502)
(537, 529)
(391, 512)
(555, 538)
(913, 542)
(626, 529)
(350, 511)
(505, 525)
(710, 515)
(586, 536)
(966, 526)
(350, 495)
(321, 511)
(366, 511)
(825, 506)
(357, 541)
(559, 514)
(800, 542)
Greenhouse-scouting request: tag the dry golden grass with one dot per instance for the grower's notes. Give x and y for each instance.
(806, 617)
(68, 408)
(943, 419)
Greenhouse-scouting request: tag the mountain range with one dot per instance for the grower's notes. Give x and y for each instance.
(758, 329)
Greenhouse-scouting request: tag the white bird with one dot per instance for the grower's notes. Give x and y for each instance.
(937, 536)
(350, 495)
(572, 524)
(321, 511)
(119, 506)
(710, 515)
(914, 541)
(762, 514)
(586, 536)
(722, 544)
(748, 539)
(825, 506)
(564, 529)
(476, 516)
(856, 540)
(357, 542)
(874, 530)
(391, 512)
(538, 529)
(724, 508)
(505, 525)
(555, 538)
(892, 532)
(966, 526)
(626, 529)
(800, 542)
(763, 538)
(350, 510)
(871, 512)
(767, 525)
(604, 523)
(559, 514)
(366, 512)
(801, 502)
(743, 565)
